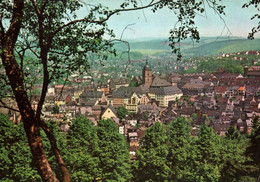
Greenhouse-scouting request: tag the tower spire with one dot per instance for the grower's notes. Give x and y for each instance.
(147, 74)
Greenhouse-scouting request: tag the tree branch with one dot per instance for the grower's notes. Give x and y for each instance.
(43, 6)
(38, 12)
(2, 29)
(4, 105)
(28, 46)
(152, 3)
(56, 152)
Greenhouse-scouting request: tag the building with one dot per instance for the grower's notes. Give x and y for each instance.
(109, 113)
(147, 75)
(252, 72)
(165, 94)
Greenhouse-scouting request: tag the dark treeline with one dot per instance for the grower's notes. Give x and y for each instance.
(167, 153)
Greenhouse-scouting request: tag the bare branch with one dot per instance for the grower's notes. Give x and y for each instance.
(152, 3)
(61, 53)
(38, 12)
(217, 12)
(2, 29)
(125, 29)
(43, 6)
(143, 10)
(65, 82)
(4, 105)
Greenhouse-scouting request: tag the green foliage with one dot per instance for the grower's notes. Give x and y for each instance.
(253, 150)
(167, 153)
(180, 149)
(134, 84)
(151, 161)
(206, 161)
(56, 109)
(114, 157)
(122, 112)
(255, 4)
(16, 163)
(232, 133)
(83, 151)
(227, 46)
(233, 158)
(145, 115)
(212, 65)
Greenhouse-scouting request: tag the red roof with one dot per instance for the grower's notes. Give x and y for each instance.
(253, 52)
(220, 89)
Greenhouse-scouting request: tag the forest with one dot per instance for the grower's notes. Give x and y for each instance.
(167, 153)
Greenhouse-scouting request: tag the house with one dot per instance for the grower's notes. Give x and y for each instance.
(103, 88)
(194, 88)
(174, 79)
(187, 111)
(157, 82)
(150, 108)
(116, 83)
(130, 97)
(121, 96)
(221, 128)
(165, 94)
(108, 113)
(252, 72)
(96, 112)
(86, 96)
(121, 129)
(251, 52)
(144, 99)
(241, 126)
(249, 126)
(132, 102)
(232, 91)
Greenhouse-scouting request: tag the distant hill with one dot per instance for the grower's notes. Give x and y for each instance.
(227, 46)
(157, 44)
(206, 46)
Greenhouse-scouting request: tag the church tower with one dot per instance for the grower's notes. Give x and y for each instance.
(147, 75)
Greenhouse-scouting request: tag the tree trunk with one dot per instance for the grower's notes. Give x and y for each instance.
(31, 123)
(14, 74)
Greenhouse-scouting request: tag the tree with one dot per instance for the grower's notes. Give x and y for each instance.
(56, 109)
(206, 162)
(255, 29)
(122, 112)
(180, 149)
(233, 159)
(151, 159)
(114, 156)
(60, 42)
(253, 150)
(83, 151)
(232, 133)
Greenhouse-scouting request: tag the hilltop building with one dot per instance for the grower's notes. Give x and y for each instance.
(252, 72)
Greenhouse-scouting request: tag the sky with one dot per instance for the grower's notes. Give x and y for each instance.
(145, 24)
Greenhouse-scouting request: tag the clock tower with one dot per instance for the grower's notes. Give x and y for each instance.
(147, 75)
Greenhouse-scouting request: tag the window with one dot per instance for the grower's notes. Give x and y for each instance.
(134, 99)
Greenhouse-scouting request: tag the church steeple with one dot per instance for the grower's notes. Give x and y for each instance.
(147, 74)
